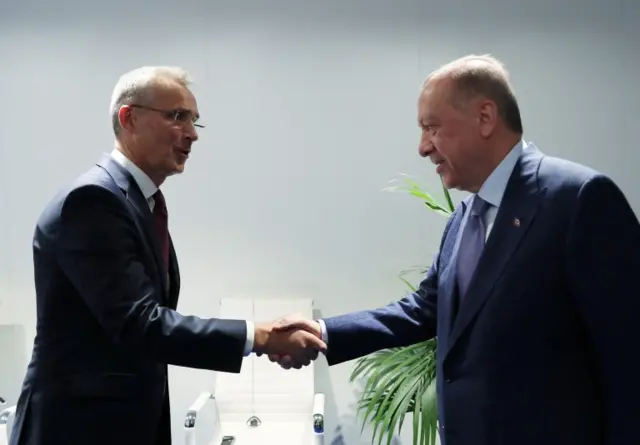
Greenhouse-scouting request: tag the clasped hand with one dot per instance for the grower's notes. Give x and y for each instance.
(292, 342)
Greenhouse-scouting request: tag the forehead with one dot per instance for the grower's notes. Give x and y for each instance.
(172, 96)
(435, 99)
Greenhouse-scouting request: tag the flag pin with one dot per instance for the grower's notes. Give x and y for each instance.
(516, 222)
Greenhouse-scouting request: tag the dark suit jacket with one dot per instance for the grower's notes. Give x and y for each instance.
(107, 325)
(543, 348)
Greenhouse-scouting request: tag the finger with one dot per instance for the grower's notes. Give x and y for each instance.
(274, 358)
(315, 343)
(291, 323)
(283, 323)
(312, 354)
(300, 362)
(286, 361)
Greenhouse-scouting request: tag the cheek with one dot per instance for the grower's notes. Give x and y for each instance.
(450, 145)
(174, 138)
(446, 146)
(160, 143)
(165, 139)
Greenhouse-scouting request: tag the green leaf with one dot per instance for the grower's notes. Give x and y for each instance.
(447, 196)
(396, 382)
(402, 381)
(413, 188)
(409, 285)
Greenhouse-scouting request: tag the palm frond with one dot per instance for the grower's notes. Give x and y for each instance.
(413, 188)
(401, 381)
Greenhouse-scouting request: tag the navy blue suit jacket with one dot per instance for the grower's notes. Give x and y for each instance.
(107, 325)
(543, 348)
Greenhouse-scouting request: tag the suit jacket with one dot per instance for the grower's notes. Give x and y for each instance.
(107, 325)
(542, 348)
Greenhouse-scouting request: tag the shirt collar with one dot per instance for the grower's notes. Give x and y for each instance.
(493, 188)
(145, 183)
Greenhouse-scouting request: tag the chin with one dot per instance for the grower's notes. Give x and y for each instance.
(176, 170)
(449, 181)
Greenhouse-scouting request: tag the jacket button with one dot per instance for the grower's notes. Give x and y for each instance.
(447, 380)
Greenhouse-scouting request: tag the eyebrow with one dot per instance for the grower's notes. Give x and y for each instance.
(196, 115)
(430, 118)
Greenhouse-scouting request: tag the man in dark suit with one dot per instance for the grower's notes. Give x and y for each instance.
(107, 284)
(532, 295)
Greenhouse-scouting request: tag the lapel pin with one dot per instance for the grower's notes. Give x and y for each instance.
(516, 222)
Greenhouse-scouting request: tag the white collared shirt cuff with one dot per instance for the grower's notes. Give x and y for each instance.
(323, 330)
(248, 346)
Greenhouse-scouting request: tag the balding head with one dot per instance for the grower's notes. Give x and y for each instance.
(469, 118)
(476, 76)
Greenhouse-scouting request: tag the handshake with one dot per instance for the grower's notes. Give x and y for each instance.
(292, 342)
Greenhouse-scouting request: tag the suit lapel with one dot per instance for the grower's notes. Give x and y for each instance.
(134, 196)
(517, 211)
(447, 289)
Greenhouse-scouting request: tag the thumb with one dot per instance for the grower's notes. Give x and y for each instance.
(316, 343)
(290, 322)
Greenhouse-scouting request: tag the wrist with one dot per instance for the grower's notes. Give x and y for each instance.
(261, 335)
(317, 328)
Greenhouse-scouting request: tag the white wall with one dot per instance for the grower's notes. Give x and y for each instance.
(310, 108)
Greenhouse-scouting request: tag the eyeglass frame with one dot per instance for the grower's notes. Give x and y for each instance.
(172, 114)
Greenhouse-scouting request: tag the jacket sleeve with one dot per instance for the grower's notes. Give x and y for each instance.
(405, 322)
(402, 323)
(97, 247)
(603, 259)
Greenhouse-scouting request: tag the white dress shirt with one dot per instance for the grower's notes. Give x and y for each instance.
(493, 188)
(148, 189)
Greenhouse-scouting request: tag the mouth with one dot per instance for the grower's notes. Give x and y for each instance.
(184, 152)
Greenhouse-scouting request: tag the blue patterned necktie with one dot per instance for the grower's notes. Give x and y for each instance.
(471, 245)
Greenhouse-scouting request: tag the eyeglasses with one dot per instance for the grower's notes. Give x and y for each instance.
(179, 115)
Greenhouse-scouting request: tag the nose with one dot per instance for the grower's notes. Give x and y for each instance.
(425, 147)
(191, 133)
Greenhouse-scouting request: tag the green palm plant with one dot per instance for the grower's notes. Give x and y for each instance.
(400, 381)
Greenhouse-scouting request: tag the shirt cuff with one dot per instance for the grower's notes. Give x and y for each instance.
(248, 346)
(323, 330)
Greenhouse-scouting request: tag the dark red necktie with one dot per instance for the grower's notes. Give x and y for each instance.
(161, 218)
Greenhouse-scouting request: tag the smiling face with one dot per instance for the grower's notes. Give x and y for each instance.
(454, 134)
(159, 132)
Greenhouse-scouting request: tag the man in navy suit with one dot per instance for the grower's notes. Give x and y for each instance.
(107, 285)
(532, 295)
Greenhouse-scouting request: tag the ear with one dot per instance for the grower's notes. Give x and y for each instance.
(125, 116)
(487, 117)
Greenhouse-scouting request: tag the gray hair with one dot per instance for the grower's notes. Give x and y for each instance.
(482, 75)
(137, 86)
